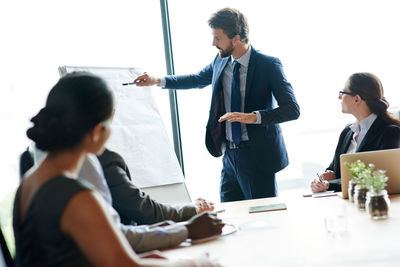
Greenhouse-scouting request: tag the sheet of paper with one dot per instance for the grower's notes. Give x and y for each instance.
(227, 230)
(138, 132)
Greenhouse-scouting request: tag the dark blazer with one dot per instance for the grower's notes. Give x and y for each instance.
(381, 135)
(133, 205)
(265, 83)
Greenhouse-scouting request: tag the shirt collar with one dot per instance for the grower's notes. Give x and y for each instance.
(365, 124)
(243, 60)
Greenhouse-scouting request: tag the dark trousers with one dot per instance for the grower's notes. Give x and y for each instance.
(242, 179)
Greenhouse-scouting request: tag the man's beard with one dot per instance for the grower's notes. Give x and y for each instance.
(227, 52)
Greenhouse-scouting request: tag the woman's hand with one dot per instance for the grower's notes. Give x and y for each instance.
(319, 186)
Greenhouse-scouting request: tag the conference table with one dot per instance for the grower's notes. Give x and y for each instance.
(324, 231)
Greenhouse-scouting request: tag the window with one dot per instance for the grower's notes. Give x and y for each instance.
(320, 44)
(40, 36)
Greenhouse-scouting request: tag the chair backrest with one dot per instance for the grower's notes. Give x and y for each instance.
(5, 256)
(26, 162)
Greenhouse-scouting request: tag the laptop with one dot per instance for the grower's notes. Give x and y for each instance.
(388, 160)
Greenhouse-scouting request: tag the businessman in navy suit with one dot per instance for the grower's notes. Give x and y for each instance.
(244, 119)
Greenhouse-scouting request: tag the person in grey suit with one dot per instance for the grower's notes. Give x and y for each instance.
(141, 238)
(374, 129)
(136, 207)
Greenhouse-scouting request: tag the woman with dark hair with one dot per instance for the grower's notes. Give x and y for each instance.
(375, 128)
(58, 220)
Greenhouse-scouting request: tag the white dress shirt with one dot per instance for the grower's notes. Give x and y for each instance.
(227, 87)
(359, 132)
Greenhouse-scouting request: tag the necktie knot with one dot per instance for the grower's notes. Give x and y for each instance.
(236, 66)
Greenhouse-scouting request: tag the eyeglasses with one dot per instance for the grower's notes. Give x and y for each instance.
(341, 93)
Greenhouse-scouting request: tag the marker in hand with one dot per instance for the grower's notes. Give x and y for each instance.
(131, 83)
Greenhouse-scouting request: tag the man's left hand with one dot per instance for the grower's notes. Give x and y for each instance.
(239, 116)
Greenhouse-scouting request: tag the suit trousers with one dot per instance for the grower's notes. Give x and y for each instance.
(242, 179)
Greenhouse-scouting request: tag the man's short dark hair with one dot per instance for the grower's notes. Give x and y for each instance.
(232, 22)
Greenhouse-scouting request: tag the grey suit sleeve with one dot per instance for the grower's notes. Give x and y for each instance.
(134, 205)
(144, 238)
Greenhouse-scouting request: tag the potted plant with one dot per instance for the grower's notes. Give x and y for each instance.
(377, 203)
(362, 187)
(355, 170)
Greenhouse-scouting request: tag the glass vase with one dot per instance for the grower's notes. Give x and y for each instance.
(351, 188)
(360, 196)
(377, 205)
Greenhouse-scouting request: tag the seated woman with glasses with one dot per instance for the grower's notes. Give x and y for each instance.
(374, 129)
(58, 220)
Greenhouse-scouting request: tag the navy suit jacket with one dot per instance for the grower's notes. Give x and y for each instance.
(381, 135)
(265, 83)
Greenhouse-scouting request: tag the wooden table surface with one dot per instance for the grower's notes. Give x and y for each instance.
(299, 236)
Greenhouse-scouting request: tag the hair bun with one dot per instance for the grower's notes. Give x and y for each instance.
(45, 128)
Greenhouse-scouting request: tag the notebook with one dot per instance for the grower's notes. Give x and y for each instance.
(388, 160)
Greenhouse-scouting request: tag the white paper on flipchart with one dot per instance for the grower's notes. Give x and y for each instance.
(138, 132)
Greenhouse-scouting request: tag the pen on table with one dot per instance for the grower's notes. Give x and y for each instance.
(132, 83)
(220, 211)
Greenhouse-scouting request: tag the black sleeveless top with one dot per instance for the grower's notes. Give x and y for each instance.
(38, 237)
